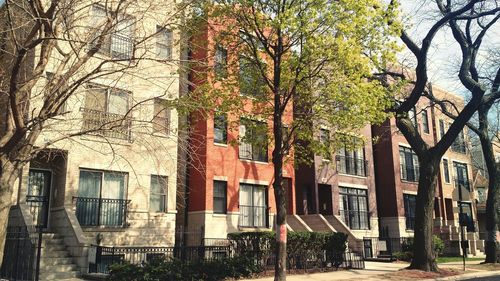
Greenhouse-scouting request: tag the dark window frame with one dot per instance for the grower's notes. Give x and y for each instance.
(409, 171)
(409, 205)
(361, 219)
(221, 198)
(256, 148)
(162, 195)
(446, 170)
(220, 62)
(425, 121)
(220, 123)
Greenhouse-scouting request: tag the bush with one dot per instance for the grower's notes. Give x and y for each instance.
(173, 270)
(404, 256)
(407, 248)
(438, 245)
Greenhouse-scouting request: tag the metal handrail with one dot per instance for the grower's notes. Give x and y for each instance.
(101, 211)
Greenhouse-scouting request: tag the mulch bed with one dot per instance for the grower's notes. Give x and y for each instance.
(413, 274)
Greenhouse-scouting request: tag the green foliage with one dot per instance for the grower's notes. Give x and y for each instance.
(173, 270)
(407, 248)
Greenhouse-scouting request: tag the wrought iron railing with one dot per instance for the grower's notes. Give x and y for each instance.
(20, 254)
(116, 46)
(101, 211)
(253, 216)
(384, 247)
(409, 173)
(253, 152)
(105, 256)
(355, 219)
(459, 146)
(106, 124)
(352, 166)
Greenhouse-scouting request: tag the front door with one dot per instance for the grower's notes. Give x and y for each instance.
(38, 195)
(325, 199)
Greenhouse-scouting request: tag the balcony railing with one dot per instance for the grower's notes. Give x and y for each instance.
(459, 146)
(355, 219)
(116, 46)
(101, 211)
(410, 173)
(253, 216)
(352, 166)
(106, 124)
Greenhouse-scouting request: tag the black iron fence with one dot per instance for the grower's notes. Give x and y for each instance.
(103, 257)
(253, 216)
(20, 254)
(101, 211)
(383, 247)
(352, 166)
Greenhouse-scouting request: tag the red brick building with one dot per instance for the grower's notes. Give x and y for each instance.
(230, 177)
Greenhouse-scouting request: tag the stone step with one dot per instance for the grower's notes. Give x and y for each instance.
(52, 241)
(55, 254)
(47, 236)
(54, 247)
(47, 261)
(58, 268)
(58, 275)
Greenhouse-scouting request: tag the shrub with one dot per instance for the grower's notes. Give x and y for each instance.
(407, 248)
(404, 256)
(438, 245)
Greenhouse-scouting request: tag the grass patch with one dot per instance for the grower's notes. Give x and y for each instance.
(456, 259)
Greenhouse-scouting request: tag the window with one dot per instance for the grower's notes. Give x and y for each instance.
(409, 164)
(220, 197)
(253, 205)
(466, 217)
(119, 44)
(324, 139)
(459, 144)
(105, 110)
(101, 198)
(446, 171)
(250, 78)
(351, 158)
(161, 118)
(410, 203)
(158, 194)
(220, 66)
(425, 121)
(354, 207)
(412, 115)
(220, 128)
(441, 128)
(461, 175)
(253, 140)
(62, 109)
(163, 43)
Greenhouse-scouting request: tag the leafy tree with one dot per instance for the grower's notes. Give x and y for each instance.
(314, 55)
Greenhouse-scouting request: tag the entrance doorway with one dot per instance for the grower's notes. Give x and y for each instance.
(37, 198)
(325, 199)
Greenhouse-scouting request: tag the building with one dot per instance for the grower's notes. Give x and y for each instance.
(115, 183)
(397, 168)
(336, 193)
(230, 175)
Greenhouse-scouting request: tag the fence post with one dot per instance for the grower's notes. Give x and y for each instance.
(39, 253)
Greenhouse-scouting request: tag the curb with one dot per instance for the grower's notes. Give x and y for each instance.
(470, 275)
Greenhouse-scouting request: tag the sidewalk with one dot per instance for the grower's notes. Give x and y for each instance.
(373, 270)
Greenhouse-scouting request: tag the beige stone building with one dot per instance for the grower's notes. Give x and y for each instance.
(110, 179)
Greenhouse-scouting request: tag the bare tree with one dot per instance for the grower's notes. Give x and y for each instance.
(462, 18)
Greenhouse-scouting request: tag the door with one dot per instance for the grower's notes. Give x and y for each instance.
(325, 199)
(38, 196)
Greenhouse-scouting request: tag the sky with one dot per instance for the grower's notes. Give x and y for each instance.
(444, 57)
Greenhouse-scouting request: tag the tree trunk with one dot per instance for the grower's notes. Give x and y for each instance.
(423, 250)
(7, 178)
(493, 181)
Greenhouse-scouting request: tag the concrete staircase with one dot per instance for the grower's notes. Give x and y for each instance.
(317, 223)
(355, 244)
(297, 224)
(56, 263)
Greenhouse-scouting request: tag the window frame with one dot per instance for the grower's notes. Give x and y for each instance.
(253, 206)
(405, 168)
(446, 171)
(410, 202)
(254, 147)
(223, 129)
(354, 194)
(161, 33)
(220, 66)
(162, 195)
(425, 121)
(223, 198)
(163, 127)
